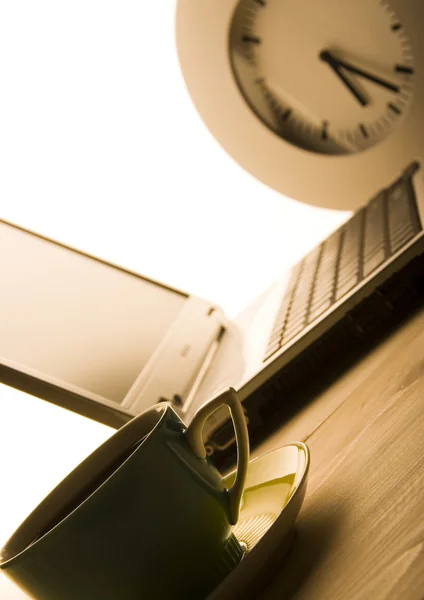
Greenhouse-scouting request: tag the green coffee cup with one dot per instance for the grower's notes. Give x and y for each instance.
(145, 516)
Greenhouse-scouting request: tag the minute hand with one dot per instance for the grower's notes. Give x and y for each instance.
(331, 61)
(378, 80)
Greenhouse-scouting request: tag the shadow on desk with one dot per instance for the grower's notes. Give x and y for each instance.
(315, 535)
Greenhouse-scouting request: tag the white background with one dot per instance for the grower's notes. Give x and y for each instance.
(101, 148)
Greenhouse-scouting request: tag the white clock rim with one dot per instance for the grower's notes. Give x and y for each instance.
(336, 182)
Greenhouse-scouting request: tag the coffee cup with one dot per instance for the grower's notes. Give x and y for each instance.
(146, 515)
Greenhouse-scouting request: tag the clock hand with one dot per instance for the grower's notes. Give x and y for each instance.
(378, 80)
(334, 64)
(327, 56)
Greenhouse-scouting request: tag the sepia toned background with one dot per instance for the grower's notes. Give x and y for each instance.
(102, 149)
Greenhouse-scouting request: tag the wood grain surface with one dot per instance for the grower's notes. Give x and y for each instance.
(360, 533)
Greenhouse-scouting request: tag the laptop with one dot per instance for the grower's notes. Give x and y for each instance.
(108, 343)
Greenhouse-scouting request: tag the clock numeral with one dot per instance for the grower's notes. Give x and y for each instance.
(251, 39)
(394, 108)
(396, 26)
(404, 69)
(324, 130)
(363, 130)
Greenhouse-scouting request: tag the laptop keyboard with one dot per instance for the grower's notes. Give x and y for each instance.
(352, 253)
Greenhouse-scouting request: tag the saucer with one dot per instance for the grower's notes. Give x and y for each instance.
(273, 494)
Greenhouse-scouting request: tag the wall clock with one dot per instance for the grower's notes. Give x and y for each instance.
(321, 101)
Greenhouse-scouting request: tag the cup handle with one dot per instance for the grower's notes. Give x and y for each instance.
(194, 437)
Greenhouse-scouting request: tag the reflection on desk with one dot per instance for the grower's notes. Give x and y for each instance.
(360, 534)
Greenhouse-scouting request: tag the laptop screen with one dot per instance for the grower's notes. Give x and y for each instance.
(77, 320)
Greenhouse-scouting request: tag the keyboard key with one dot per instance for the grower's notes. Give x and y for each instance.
(375, 250)
(274, 338)
(349, 271)
(352, 278)
(341, 291)
(400, 214)
(319, 309)
(281, 316)
(290, 333)
(295, 320)
(373, 262)
(296, 317)
(401, 239)
(271, 351)
(374, 225)
(336, 267)
(324, 294)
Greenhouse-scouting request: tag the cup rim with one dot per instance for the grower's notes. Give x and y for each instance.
(124, 438)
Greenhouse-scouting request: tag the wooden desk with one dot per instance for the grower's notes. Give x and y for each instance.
(360, 533)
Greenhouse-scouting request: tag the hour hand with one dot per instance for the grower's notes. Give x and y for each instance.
(338, 64)
(335, 65)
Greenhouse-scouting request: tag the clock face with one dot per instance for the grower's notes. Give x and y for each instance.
(333, 77)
